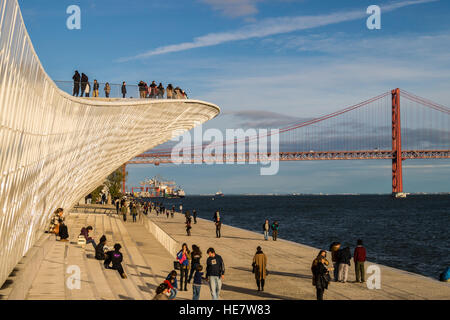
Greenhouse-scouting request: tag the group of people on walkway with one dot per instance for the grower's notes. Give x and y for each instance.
(341, 259)
(154, 91)
(82, 87)
(189, 265)
(267, 226)
(128, 207)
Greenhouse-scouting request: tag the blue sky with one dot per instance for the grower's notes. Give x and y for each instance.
(279, 59)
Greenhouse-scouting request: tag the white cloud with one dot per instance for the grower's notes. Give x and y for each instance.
(270, 27)
(234, 8)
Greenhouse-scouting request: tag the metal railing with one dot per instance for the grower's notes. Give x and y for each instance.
(132, 91)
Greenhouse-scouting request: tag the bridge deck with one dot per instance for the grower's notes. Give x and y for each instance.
(147, 262)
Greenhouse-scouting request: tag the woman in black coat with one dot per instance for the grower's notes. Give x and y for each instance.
(320, 276)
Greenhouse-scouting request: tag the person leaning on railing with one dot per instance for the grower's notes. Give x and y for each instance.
(107, 90)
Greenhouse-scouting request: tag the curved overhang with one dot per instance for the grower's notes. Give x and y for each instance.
(55, 148)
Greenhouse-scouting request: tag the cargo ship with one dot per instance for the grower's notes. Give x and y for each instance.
(157, 187)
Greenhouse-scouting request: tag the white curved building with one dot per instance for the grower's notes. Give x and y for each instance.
(54, 148)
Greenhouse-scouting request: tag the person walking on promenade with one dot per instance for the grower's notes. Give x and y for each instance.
(160, 91)
(76, 84)
(321, 277)
(95, 89)
(116, 258)
(344, 258)
(260, 268)
(172, 212)
(84, 81)
(124, 89)
(87, 90)
(107, 90)
(266, 228)
(359, 257)
(197, 285)
(124, 212)
(169, 91)
(172, 283)
(85, 232)
(184, 258)
(275, 227)
(161, 293)
(215, 273)
(334, 248)
(188, 225)
(196, 255)
(117, 202)
(187, 215)
(194, 214)
(218, 224)
(134, 212)
(181, 208)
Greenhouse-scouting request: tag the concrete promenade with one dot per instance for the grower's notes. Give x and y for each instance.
(147, 263)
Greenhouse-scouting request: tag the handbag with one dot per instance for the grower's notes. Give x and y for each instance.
(176, 265)
(253, 267)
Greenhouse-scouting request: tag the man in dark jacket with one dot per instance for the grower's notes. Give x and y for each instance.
(76, 84)
(320, 276)
(124, 89)
(84, 82)
(215, 271)
(116, 258)
(359, 257)
(274, 230)
(344, 257)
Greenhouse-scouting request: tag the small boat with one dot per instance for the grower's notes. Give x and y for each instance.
(219, 194)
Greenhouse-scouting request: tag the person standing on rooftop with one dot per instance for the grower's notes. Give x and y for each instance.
(124, 89)
(160, 91)
(95, 89)
(169, 91)
(84, 82)
(107, 90)
(87, 90)
(76, 84)
(141, 86)
(153, 90)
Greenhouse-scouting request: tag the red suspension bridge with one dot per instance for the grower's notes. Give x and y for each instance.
(374, 129)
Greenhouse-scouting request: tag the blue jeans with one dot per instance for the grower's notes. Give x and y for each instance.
(173, 293)
(266, 235)
(215, 284)
(196, 291)
(92, 241)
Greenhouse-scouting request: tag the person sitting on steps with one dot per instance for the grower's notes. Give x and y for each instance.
(116, 258)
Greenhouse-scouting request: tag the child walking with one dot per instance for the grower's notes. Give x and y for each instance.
(197, 285)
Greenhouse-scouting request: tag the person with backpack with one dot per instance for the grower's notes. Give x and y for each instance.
(344, 258)
(359, 257)
(115, 257)
(184, 258)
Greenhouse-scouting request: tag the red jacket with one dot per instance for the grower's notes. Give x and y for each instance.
(360, 254)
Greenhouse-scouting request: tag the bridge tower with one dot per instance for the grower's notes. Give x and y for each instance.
(397, 173)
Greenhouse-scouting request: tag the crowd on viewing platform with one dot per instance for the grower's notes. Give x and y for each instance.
(83, 88)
